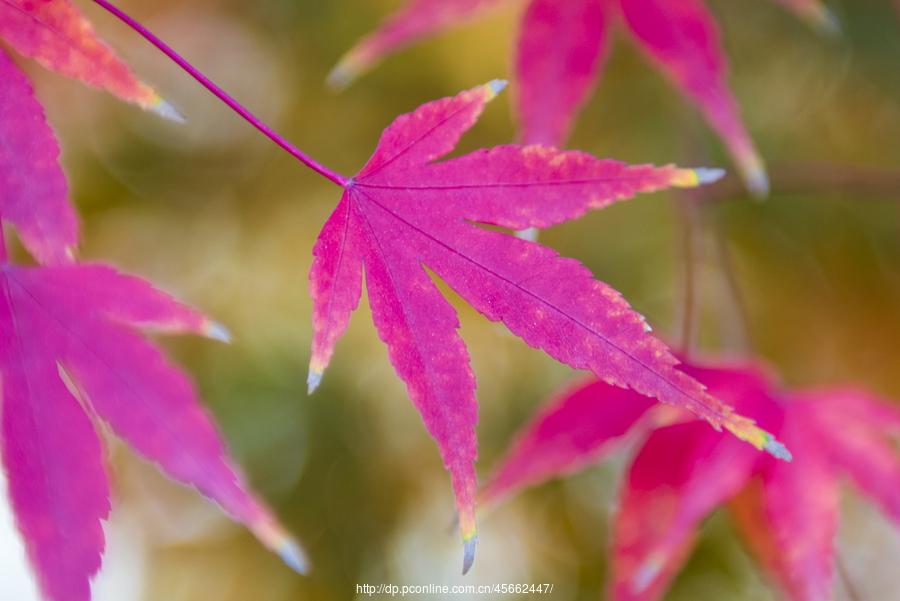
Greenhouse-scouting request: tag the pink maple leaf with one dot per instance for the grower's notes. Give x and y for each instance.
(404, 213)
(788, 512)
(59, 37)
(69, 357)
(35, 195)
(562, 47)
(404, 217)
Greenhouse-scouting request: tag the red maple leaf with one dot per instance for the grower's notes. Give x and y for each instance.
(68, 353)
(35, 193)
(404, 214)
(59, 37)
(562, 47)
(68, 350)
(788, 512)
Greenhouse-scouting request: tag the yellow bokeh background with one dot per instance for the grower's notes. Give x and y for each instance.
(219, 216)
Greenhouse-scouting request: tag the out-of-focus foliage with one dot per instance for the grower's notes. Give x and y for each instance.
(220, 217)
(787, 511)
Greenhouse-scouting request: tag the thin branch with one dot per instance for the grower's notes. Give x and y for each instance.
(222, 95)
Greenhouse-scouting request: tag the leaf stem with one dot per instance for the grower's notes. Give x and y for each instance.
(222, 95)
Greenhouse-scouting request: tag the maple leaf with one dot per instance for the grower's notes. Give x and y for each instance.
(404, 214)
(561, 50)
(35, 192)
(68, 354)
(59, 37)
(788, 512)
(34, 195)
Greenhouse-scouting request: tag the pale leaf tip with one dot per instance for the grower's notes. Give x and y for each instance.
(530, 234)
(313, 379)
(167, 110)
(496, 86)
(647, 573)
(758, 183)
(276, 538)
(747, 431)
(826, 21)
(217, 331)
(778, 450)
(753, 172)
(292, 555)
(691, 178)
(708, 175)
(470, 542)
(342, 75)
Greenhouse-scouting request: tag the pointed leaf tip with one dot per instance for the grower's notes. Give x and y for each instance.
(691, 178)
(274, 536)
(757, 181)
(496, 86)
(753, 172)
(746, 429)
(340, 77)
(168, 111)
(531, 234)
(347, 70)
(469, 545)
(313, 379)
(217, 331)
(646, 574)
(709, 175)
(778, 450)
(825, 21)
(293, 556)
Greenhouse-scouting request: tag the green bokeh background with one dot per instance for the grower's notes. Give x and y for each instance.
(216, 214)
